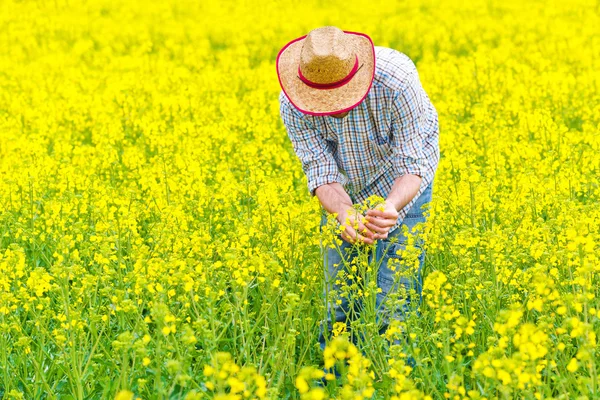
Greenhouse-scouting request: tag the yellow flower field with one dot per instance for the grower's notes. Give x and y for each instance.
(158, 240)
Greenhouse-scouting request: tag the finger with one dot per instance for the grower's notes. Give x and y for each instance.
(382, 214)
(377, 229)
(365, 231)
(381, 236)
(347, 239)
(353, 236)
(382, 222)
(349, 234)
(361, 222)
(365, 239)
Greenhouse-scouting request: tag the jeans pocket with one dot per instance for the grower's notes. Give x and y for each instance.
(393, 274)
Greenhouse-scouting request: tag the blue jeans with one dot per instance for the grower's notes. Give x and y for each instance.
(334, 259)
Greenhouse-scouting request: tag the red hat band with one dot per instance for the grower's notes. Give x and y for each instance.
(331, 85)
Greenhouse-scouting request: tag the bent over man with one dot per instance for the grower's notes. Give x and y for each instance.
(361, 125)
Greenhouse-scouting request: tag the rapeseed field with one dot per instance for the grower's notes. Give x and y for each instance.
(157, 239)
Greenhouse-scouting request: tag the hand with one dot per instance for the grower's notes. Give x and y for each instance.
(380, 222)
(351, 219)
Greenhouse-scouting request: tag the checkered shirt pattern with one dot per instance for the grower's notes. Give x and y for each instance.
(394, 131)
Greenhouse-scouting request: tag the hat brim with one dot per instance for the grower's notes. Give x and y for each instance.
(314, 101)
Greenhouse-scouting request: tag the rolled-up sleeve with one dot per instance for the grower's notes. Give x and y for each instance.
(310, 147)
(408, 112)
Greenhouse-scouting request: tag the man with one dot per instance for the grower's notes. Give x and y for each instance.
(361, 125)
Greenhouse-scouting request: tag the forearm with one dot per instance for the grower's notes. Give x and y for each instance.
(333, 198)
(404, 190)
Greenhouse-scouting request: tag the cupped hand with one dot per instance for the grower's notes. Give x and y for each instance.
(354, 228)
(380, 221)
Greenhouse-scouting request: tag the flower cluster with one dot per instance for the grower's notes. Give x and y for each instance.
(356, 373)
(227, 380)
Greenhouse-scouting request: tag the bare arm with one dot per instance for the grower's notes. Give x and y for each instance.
(334, 198)
(404, 190)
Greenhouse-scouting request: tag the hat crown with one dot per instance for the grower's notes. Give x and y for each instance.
(327, 55)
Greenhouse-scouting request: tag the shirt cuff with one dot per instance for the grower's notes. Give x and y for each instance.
(314, 183)
(411, 166)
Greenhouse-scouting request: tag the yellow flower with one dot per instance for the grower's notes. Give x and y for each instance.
(124, 395)
(573, 365)
(301, 385)
(208, 370)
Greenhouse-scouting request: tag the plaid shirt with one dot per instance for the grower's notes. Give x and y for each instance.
(393, 132)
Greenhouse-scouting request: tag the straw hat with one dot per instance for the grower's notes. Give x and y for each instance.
(328, 71)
